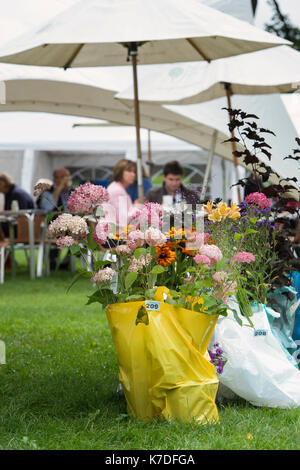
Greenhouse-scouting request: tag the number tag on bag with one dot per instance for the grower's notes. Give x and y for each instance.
(152, 305)
(260, 332)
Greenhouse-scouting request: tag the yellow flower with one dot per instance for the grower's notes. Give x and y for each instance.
(176, 234)
(196, 300)
(208, 207)
(249, 436)
(126, 230)
(160, 291)
(215, 216)
(234, 211)
(223, 209)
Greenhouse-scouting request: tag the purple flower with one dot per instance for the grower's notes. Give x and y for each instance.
(212, 356)
(216, 358)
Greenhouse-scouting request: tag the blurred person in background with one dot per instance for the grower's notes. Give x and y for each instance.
(124, 175)
(57, 196)
(13, 192)
(52, 199)
(132, 189)
(172, 187)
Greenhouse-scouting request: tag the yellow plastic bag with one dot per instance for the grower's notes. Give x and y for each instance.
(164, 369)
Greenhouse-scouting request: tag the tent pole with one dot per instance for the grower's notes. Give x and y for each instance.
(233, 144)
(133, 54)
(209, 164)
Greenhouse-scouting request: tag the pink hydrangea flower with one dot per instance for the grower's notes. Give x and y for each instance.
(101, 232)
(86, 197)
(64, 242)
(199, 238)
(99, 240)
(135, 240)
(123, 250)
(244, 257)
(137, 265)
(212, 252)
(103, 275)
(154, 237)
(148, 215)
(68, 224)
(201, 259)
(134, 214)
(220, 276)
(218, 294)
(259, 199)
(223, 287)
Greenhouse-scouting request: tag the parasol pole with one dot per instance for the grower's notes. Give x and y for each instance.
(132, 50)
(149, 153)
(233, 144)
(209, 164)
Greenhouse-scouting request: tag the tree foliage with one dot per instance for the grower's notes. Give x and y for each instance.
(281, 25)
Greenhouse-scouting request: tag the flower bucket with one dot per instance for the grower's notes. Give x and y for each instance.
(164, 369)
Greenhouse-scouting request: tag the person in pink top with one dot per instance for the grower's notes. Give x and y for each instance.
(124, 174)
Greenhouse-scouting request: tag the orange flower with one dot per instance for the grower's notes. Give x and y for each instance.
(211, 241)
(187, 252)
(170, 245)
(165, 256)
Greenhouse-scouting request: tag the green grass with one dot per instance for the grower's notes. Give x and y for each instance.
(58, 388)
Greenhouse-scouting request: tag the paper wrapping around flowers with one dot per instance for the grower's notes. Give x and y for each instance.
(164, 368)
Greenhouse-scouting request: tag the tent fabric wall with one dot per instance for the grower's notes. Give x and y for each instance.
(47, 161)
(11, 162)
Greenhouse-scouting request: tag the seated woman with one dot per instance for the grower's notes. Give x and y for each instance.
(120, 203)
(132, 189)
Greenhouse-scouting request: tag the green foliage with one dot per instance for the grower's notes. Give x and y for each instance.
(129, 279)
(142, 316)
(282, 26)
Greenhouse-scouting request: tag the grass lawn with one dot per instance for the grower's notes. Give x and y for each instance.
(58, 388)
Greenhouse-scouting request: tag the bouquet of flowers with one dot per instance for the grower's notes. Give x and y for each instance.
(198, 270)
(247, 235)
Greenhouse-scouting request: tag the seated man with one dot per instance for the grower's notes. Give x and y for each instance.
(56, 197)
(172, 186)
(13, 192)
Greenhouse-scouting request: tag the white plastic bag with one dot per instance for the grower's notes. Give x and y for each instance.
(257, 369)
